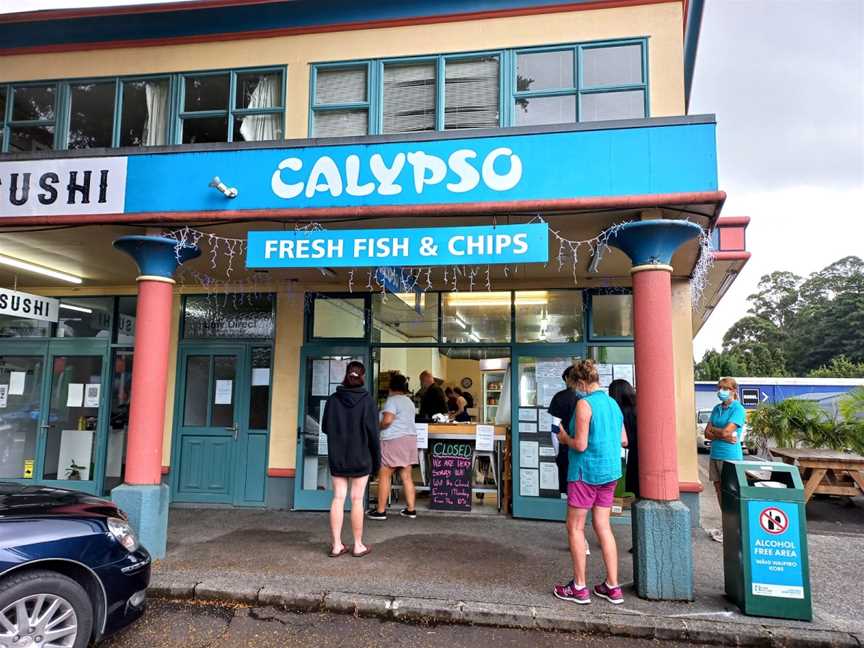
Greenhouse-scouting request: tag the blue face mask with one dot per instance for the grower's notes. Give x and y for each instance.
(724, 395)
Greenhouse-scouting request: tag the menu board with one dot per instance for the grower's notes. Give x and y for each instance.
(450, 487)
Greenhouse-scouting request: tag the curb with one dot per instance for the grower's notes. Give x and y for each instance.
(423, 610)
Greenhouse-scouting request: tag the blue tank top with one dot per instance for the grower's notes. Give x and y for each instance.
(600, 463)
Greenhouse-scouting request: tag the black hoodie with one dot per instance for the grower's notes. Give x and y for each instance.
(351, 425)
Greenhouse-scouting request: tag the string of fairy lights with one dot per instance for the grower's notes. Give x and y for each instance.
(224, 253)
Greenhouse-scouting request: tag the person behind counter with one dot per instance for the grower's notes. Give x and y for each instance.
(595, 439)
(350, 422)
(398, 448)
(432, 399)
(458, 405)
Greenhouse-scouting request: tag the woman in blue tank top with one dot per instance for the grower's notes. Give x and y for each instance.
(596, 435)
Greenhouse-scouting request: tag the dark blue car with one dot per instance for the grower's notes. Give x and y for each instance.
(71, 568)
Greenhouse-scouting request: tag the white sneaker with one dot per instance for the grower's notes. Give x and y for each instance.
(587, 549)
(716, 535)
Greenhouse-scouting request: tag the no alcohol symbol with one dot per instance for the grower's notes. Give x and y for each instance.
(774, 521)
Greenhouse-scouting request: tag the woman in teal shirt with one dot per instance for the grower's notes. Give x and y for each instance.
(596, 435)
(725, 430)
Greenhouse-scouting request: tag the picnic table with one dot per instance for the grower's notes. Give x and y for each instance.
(827, 472)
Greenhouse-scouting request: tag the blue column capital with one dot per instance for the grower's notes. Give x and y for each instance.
(157, 256)
(653, 242)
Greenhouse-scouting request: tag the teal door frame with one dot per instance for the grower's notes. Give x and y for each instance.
(49, 349)
(247, 475)
(319, 500)
(538, 508)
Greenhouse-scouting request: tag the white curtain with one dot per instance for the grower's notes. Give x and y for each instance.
(155, 126)
(502, 415)
(262, 128)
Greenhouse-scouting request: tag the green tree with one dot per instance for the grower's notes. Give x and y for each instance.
(839, 367)
(757, 344)
(777, 299)
(716, 365)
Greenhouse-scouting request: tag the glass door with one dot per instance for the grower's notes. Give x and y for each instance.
(322, 369)
(535, 380)
(20, 412)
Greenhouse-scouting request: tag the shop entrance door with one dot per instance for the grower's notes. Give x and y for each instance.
(537, 377)
(52, 422)
(215, 457)
(322, 369)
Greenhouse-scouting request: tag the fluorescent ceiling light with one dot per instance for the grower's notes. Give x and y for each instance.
(80, 309)
(42, 270)
(474, 336)
(460, 320)
(523, 298)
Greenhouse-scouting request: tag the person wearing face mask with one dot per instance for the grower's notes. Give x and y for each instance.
(725, 430)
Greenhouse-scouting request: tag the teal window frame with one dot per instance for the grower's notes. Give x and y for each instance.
(63, 104)
(507, 88)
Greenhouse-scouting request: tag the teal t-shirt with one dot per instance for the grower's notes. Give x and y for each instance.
(600, 463)
(720, 418)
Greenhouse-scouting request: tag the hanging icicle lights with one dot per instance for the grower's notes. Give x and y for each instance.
(454, 278)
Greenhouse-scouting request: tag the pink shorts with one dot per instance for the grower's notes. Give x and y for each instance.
(586, 496)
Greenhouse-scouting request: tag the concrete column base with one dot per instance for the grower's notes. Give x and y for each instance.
(662, 551)
(147, 508)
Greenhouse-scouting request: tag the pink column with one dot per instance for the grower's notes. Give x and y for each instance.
(149, 380)
(655, 381)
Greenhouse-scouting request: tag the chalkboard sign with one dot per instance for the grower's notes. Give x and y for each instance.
(451, 475)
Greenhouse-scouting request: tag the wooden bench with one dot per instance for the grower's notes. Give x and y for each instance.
(826, 472)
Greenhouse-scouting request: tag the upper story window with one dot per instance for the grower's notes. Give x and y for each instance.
(228, 106)
(550, 85)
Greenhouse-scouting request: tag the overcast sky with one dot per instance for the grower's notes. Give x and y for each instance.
(786, 81)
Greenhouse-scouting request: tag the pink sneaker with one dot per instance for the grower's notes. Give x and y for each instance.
(612, 594)
(569, 592)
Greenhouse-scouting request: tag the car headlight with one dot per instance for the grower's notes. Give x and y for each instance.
(123, 533)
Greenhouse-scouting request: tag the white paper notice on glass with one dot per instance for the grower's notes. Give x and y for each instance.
(337, 370)
(16, 382)
(548, 476)
(223, 392)
(527, 414)
(529, 485)
(422, 435)
(546, 421)
(261, 376)
(75, 395)
(91, 395)
(322, 438)
(547, 451)
(320, 377)
(4, 395)
(605, 371)
(484, 436)
(529, 452)
(623, 372)
(528, 428)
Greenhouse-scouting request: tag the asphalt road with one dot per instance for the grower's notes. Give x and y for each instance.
(194, 625)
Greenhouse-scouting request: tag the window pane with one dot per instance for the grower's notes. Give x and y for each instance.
(259, 400)
(340, 86)
(258, 128)
(612, 315)
(228, 316)
(258, 90)
(405, 317)
(613, 105)
(33, 102)
(545, 110)
(126, 309)
(409, 98)
(121, 397)
(471, 93)
(341, 123)
(206, 129)
(88, 317)
(19, 327)
(612, 65)
(224, 369)
(206, 93)
(476, 317)
(31, 138)
(197, 386)
(338, 318)
(544, 71)
(549, 316)
(145, 113)
(91, 115)
(19, 418)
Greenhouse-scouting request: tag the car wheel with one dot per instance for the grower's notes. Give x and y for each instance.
(44, 609)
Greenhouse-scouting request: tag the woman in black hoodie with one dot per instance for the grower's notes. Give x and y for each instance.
(351, 425)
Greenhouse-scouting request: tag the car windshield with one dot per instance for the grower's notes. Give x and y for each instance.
(704, 417)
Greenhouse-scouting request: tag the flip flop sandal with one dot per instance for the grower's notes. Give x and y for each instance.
(333, 554)
(362, 553)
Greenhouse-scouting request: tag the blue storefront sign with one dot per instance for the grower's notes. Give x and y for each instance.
(436, 246)
(776, 560)
(654, 158)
